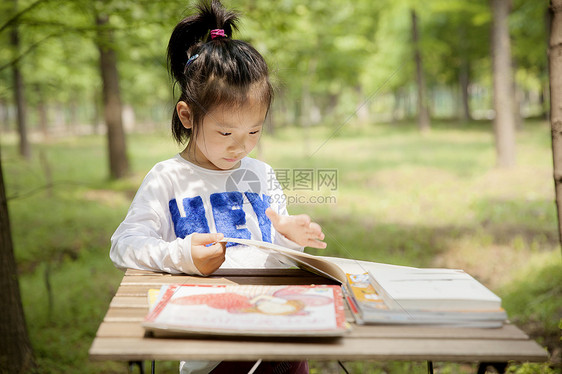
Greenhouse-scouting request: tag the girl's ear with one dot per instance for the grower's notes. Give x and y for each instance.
(184, 113)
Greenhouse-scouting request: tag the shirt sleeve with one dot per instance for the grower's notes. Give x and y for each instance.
(140, 240)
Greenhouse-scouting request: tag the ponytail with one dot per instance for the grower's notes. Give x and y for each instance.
(212, 69)
(193, 31)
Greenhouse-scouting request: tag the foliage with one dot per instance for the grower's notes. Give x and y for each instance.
(535, 297)
(325, 56)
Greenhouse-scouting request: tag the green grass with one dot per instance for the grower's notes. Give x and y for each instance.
(402, 198)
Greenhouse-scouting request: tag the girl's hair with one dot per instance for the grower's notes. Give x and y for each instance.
(213, 70)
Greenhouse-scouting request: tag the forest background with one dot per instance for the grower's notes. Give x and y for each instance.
(397, 97)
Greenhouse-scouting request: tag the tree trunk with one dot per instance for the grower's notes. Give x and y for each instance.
(16, 353)
(118, 161)
(19, 96)
(545, 87)
(74, 125)
(304, 117)
(362, 109)
(307, 104)
(504, 121)
(396, 105)
(464, 81)
(423, 112)
(408, 110)
(517, 98)
(4, 115)
(555, 72)
(464, 75)
(97, 113)
(330, 113)
(42, 113)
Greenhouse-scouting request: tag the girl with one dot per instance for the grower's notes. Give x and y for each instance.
(211, 190)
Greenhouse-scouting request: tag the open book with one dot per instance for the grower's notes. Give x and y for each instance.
(250, 310)
(382, 293)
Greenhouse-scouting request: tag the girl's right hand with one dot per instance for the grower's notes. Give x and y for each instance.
(206, 258)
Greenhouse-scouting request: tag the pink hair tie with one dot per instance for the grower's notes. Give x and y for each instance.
(217, 32)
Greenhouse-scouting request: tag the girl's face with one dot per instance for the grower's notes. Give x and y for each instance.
(226, 135)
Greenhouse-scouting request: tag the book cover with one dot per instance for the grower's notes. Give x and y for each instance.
(252, 310)
(434, 289)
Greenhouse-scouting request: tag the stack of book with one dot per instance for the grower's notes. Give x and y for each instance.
(389, 294)
(375, 293)
(423, 296)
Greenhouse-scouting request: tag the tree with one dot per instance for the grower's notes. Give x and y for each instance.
(456, 32)
(423, 112)
(504, 121)
(118, 161)
(16, 353)
(530, 51)
(325, 64)
(19, 95)
(464, 78)
(555, 71)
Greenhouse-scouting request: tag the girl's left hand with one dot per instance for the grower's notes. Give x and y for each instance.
(298, 229)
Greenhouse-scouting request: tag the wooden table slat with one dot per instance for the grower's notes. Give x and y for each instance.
(125, 314)
(116, 329)
(129, 302)
(145, 272)
(343, 349)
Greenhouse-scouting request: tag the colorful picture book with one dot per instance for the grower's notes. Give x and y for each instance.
(250, 310)
(390, 294)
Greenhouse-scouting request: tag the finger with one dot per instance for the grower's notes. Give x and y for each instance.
(211, 265)
(272, 215)
(216, 252)
(315, 230)
(302, 219)
(214, 255)
(203, 239)
(220, 249)
(314, 243)
(318, 235)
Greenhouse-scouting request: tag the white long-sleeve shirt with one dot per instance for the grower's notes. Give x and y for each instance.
(178, 198)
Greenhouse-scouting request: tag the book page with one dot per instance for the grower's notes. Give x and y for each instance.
(314, 264)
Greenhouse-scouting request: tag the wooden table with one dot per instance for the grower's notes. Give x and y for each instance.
(121, 337)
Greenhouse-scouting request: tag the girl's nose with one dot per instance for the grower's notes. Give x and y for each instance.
(237, 143)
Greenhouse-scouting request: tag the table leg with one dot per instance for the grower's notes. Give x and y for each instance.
(499, 366)
(429, 367)
(343, 367)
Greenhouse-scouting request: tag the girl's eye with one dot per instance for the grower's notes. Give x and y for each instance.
(225, 133)
(254, 132)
